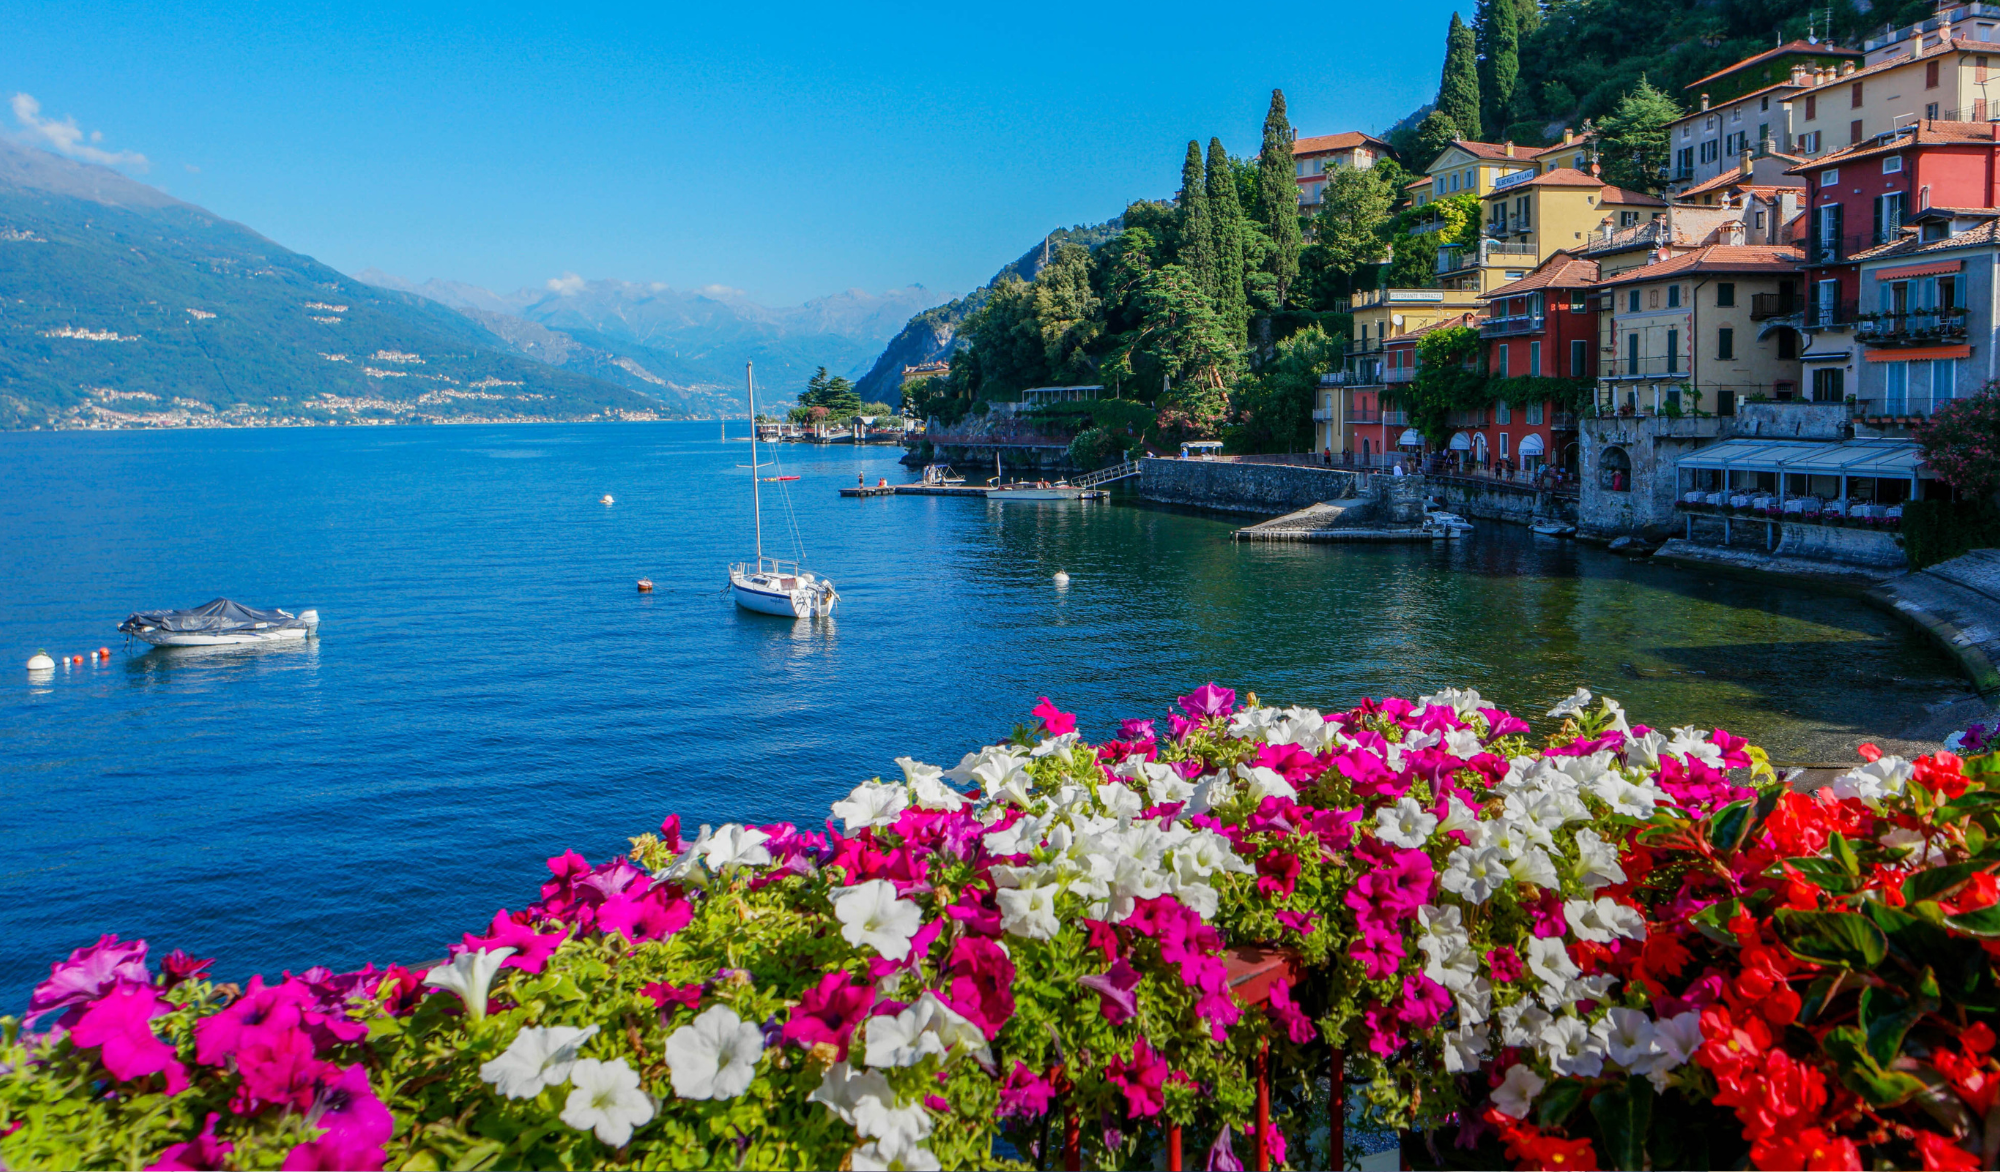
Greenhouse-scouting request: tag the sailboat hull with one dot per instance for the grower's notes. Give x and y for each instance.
(757, 593)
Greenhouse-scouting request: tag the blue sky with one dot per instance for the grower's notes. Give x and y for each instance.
(786, 150)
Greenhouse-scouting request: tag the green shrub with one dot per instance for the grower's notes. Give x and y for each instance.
(1937, 531)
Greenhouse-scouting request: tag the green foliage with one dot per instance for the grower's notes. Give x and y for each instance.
(1274, 407)
(1181, 332)
(827, 398)
(1067, 309)
(1226, 215)
(1413, 262)
(1008, 340)
(1503, 64)
(1278, 183)
(1449, 378)
(1458, 88)
(1351, 225)
(1197, 253)
(1435, 133)
(1568, 394)
(1961, 442)
(1635, 137)
(1937, 531)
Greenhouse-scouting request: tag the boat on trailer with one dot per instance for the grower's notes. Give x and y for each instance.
(767, 585)
(220, 623)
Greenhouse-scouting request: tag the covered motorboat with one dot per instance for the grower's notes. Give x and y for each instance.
(218, 624)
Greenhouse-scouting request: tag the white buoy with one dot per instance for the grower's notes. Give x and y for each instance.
(606, 500)
(1062, 578)
(41, 662)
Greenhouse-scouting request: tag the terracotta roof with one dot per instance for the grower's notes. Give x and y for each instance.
(1420, 181)
(1781, 50)
(1498, 150)
(1571, 177)
(1468, 318)
(1322, 143)
(1956, 44)
(1926, 134)
(1981, 235)
(1733, 179)
(1717, 258)
(1560, 271)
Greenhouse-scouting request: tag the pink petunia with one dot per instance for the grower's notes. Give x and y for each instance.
(1054, 722)
(1117, 988)
(979, 983)
(1505, 964)
(663, 994)
(1208, 700)
(1424, 1002)
(531, 949)
(119, 1024)
(203, 1153)
(1300, 922)
(828, 1013)
(1297, 1025)
(88, 974)
(1025, 1093)
(1141, 1079)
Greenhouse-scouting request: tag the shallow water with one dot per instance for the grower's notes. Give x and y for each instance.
(488, 688)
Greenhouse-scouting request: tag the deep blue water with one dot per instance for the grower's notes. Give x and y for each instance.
(488, 689)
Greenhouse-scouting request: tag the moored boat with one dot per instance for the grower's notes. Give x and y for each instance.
(218, 624)
(769, 586)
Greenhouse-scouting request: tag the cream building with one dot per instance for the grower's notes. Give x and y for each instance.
(1700, 330)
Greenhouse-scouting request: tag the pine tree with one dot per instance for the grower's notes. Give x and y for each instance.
(1635, 136)
(1458, 89)
(1279, 185)
(1226, 214)
(1434, 134)
(1196, 224)
(1503, 63)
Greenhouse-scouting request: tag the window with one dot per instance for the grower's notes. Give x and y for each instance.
(1578, 300)
(1471, 178)
(1985, 32)
(1535, 413)
(1503, 412)
(1632, 352)
(1627, 219)
(1673, 351)
(1931, 111)
(1830, 177)
(1534, 360)
(1895, 388)
(1632, 301)
(1453, 184)
(1614, 470)
(1709, 123)
(1812, 107)
(1809, 142)
(1767, 103)
(1979, 67)
(1763, 132)
(1653, 298)
(1788, 345)
(1944, 380)
(1758, 218)
(1829, 302)
(1888, 217)
(1826, 385)
(1687, 130)
(1503, 435)
(1736, 113)
(1930, 79)
(1854, 96)
(1725, 292)
(1854, 133)
(1673, 296)
(1500, 361)
(1579, 355)
(1725, 343)
(1892, 165)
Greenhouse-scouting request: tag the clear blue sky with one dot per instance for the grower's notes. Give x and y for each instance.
(787, 150)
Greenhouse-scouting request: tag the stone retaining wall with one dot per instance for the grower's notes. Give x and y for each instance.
(1860, 547)
(1242, 488)
(1518, 505)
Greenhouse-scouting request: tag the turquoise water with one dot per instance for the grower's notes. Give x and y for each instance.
(488, 688)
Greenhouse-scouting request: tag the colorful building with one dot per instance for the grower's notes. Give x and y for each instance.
(1926, 323)
(1741, 110)
(1697, 331)
(1315, 159)
(1540, 327)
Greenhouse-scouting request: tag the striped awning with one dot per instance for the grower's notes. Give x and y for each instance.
(1918, 353)
(1411, 438)
(1926, 270)
(1461, 442)
(1531, 444)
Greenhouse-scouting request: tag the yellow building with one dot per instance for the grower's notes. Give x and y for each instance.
(1707, 322)
(1527, 217)
(1939, 70)
(1380, 317)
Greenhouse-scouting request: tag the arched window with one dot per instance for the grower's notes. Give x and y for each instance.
(1614, 470)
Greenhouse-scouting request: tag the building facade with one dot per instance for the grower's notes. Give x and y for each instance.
(1926, 326)
(1316, 159)
(1695, 332)
(1542, 326)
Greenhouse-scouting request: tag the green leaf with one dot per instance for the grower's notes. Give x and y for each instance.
(1826, 874)
(1624, 1115)
(1843, 854)
(1857, 1068)
(1887, 1016)
(1984, 922)
(1727, 826)
(1713, 921)
(1931, 883)
(1840, 938)
(1557, 1100)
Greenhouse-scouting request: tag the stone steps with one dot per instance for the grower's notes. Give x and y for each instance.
(1958, 602)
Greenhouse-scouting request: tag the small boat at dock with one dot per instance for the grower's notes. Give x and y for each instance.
(219, 623)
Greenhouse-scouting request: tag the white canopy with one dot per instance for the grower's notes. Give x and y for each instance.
(1411, 438)
(1531, 444)
(1461, 442)
(1892, 459)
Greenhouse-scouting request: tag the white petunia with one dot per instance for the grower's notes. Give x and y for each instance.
(929, 1027)
(1406, 824)
(1028, 911)
(843, 1088)
(1458, 816)
(1164, 783)
(1119, 801)
(1473, 873)
(1693, 745)
(1915, 846)
(470, 975)
(1475, 1002)
(873, 1157)
(1628, 1036)
(915, 771)
(1571, 1049)
(1596, 861)
(539, 1056)
(1534, 867)
(1575, 705)
(1603, 920)
(871, 914)
(1521, 1023)
(872, 803)
(1549, 960)
(736, 846)
(1210, 792)
(1463, 743)
(1881, 778)
(1056, 746)
(1618, 721)
(606, 1100)
(897, 1129)
(1464, 1047)
(1515, 1096)
(1625, 797)
(1262, 782)
(1678, 1037)
(999, 772)
(1464, 701)
(1018, 839)
(1644, 752)
(715, 1056)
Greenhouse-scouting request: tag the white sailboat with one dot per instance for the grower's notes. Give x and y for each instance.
(770, 586)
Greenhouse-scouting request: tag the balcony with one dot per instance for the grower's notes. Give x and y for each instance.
(1829, 250)
(1562, 421)
(1921, 328)
(1366, 374)
(1764, 306)
(1323, 414)
(1651, 234)
(1824, 315)
(1360, 415)
(1507, 327)
(1645, 366)
(1887, 412)
(1395, 418)
(1457, 257)
(1399, 374)
(1476, 417)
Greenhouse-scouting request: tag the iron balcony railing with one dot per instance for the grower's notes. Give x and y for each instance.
(1362, 415)
(1399, 374)
(1649, 234)
(1562, 420)
(1917, 328)
(1455, 257)
(1323, 415)
(1645, 366)
(1905, 33)
(1822, 315)
(1504, 327)
(1828, 249)
(1770, 305)
(1364, 375)
(1899, 407)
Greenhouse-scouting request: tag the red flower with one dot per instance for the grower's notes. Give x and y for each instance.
(1811, 1148)
(1277, 873)
(1943, 1155)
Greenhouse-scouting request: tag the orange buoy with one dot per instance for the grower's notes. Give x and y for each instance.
(104, 653)
(645, 585)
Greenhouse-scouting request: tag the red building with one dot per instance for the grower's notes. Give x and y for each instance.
(1858, 198)
(1376, 420)
(1541, 326)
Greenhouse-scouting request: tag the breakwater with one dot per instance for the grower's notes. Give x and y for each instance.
(1232, 487)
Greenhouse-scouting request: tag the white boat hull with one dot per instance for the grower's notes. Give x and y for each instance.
(807, 598)
(224, 639)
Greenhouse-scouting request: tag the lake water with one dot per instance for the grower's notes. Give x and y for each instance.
(488, 689)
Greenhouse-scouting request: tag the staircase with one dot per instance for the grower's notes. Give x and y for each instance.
(1106, 475)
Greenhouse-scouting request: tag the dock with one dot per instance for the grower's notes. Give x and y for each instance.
(921, 489)
(869, 490)
(1331, 522)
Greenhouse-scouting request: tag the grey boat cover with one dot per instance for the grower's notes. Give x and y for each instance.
(219, 616)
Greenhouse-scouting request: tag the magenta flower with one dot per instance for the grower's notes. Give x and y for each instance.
(280, 1067)
(1024, 1092)
(980, 983)
(203, 1153)
(531, 949)
(1222, 1154)
(670, 833)
(1545, 916)
(1367, 774)
(119, 1023)
(1135, 730)
(1505, 964)
(262, 1008)
(88, 974)
(1277, 873)
(1424, 1002)
(663, 994)
(828, 1013)
(977, 910)
(1118, 989)
(180, 966)
(653, 914)
(1141, 1079)
(1502, 724)
(1300, 922)
(1734, 749)
(1384, 1039)
(1053, 722)
(1103, 937)
(1297, 1025)
(1179, 726)
(1209, 700)
(356, 1123)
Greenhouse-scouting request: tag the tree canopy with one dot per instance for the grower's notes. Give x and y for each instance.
(1635, 137)
(1458, 88)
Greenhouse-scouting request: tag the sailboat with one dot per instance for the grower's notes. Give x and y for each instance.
(769, 586)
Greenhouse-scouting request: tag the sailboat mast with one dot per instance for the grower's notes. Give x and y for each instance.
(756, 500)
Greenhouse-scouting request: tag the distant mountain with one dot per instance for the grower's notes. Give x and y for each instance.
(120, 304)
(933, 334)
(692, 343)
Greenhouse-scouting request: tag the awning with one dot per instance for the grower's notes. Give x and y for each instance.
(1918, 353)
(1411, 438)
(1890, 458)
(1461, 442)
(1531, 444)
(1928, 270)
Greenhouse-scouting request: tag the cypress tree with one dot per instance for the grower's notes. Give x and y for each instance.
(1197, 226)
(1279, 186)
(1503, 63)
(1226, 213)
(1458, 89)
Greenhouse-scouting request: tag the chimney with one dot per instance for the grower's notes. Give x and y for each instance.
(1847, 67)
(1801, 76)
(1569, 136)
(1509, 144)
(1704, 101)
(1735, 233)
(1743, 163)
